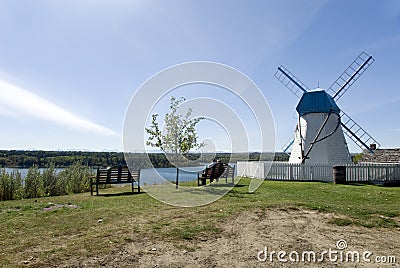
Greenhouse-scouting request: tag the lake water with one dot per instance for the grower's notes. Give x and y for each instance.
(24, 171)
(149, 176)
(152, 176)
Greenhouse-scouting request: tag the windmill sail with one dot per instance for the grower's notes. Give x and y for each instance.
(350, 75)
(357, 133)
(291, 82)
(287, 146)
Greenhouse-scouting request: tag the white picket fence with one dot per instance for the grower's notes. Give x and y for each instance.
(285, 171)
(364, 172)
(373, 172)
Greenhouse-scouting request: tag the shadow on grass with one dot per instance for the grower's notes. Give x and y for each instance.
(358, 183)
(294, 181)
(376, 183)
(215, 189)
(119, 194)
(391, 184)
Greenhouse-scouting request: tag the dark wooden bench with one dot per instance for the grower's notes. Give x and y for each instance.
(219, 170)
(229, 173)
(115, 175)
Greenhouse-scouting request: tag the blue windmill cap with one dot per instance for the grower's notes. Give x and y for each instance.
(317, 101)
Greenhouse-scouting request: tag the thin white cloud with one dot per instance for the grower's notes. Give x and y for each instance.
(6, 112)
(17, 101)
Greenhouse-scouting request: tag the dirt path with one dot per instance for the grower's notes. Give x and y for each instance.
(292, 231)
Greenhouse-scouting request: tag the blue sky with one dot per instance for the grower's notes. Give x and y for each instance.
(68, 69)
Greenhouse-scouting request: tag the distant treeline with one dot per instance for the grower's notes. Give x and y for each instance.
(27, 159)
(43, 159)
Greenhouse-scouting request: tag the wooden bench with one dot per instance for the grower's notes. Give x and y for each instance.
(115, 175)
(229, 173)
(219, 170)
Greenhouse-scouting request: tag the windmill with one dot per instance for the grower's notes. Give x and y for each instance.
(319, 134)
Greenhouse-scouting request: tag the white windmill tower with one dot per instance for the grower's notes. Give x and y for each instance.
(319, 134)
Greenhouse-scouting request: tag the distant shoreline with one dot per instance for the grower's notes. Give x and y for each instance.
(61, 159)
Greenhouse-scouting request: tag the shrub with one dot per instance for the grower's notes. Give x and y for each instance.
(33, 183)
(10, 185)
(357, 157)
(53, 184)
(77, 178)
(4, 185)
(18, 185)
(74, 179)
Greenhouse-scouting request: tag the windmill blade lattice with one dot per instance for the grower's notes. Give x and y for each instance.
(350, 75)
(356, 133)
(287, 146)
(290, 81)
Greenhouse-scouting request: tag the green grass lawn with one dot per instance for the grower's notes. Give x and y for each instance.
(95, 225)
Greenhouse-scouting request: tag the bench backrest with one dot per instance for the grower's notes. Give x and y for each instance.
(215, 171)
(116, 174)
(229, 171)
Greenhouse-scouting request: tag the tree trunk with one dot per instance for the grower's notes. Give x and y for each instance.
(177, 176)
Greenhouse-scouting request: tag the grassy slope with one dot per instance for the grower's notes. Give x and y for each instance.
(55, 236)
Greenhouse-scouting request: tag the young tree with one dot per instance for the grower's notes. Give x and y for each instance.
(180, 134)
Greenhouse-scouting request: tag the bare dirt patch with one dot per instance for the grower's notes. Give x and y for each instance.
(52, 206)
(246, 234)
